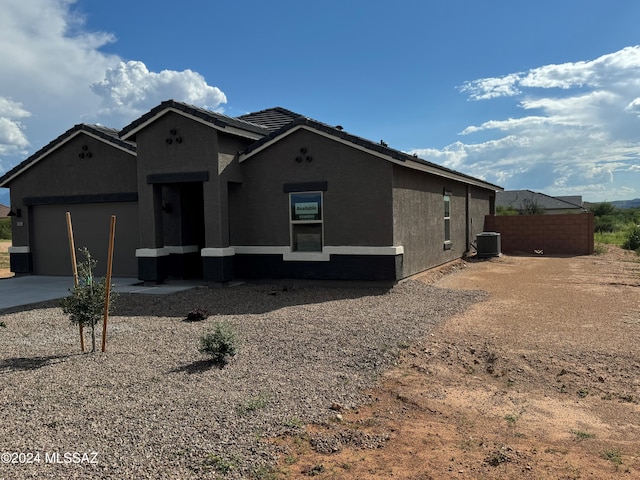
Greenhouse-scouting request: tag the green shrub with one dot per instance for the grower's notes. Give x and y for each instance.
(506, 211)
(220, 344)
(605, 223)
(5, 228)
(602, 209)
(633, 240)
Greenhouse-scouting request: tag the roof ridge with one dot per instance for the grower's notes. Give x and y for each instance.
(272, 118)
(281, 109)
(208, 115)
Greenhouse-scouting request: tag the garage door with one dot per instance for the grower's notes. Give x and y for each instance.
(91, 225)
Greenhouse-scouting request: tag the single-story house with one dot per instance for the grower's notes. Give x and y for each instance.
(269, 194)
(4, 210)
(528, 202)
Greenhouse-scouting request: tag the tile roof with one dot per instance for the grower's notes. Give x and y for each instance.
(271, 118)
(107, 134)
(214, 118)
(268, 124)
(380, 148)
(4, 210)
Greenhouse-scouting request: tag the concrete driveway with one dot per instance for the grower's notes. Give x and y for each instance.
(18, 291)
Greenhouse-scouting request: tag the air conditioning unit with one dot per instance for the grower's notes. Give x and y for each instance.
(488, 244)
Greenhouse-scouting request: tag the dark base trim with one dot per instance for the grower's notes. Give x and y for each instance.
(184, 265)
(226, 268)
(153, 269)
(20, 263)
(217, 269)
(340, 267)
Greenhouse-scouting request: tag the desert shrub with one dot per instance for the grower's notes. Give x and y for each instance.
(531, 207)
(506, 211)
(220, 344)
(5, 228)
(633, 241)
(600, 248)
(85, 305)
(197, 315)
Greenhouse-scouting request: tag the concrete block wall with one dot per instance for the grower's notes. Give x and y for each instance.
(568, 234)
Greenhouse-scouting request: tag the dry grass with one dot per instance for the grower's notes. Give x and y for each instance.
(4, 257)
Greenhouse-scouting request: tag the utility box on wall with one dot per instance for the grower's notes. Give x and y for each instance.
(488, 244)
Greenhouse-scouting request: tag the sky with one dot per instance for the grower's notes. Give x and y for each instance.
(538, 95)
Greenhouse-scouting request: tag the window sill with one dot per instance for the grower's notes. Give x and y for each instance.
(306, 257)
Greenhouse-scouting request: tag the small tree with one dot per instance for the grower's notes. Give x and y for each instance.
(633, 240)
(530, 207)
(85, 305)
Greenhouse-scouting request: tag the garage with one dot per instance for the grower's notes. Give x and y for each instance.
(91, 226)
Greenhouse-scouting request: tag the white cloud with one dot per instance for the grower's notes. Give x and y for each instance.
(487, 88)
(609, 70)
(130, 89)
(12, 137)
(579, 132)
(606, 70)
(48, 57)
(53, 67)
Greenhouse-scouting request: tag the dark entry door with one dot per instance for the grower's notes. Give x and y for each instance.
(183, 221)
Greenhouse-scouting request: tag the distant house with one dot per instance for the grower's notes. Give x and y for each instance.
(269, 194)
(527, 201)
(4, 211)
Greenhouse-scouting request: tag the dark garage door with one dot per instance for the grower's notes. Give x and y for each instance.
(91, 225)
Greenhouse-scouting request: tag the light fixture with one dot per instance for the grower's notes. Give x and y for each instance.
(15, 212)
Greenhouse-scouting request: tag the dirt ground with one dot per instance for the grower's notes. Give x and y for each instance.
(540, 381)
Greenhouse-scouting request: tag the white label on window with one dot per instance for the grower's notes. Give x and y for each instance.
(307, 208)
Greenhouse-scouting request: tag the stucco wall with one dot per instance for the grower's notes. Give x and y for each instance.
(108, 170)
(569, 234)
(173, 144)
(419, 218)
(480, 205)
(357, 203)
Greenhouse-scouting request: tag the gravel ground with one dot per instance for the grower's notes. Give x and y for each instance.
(152, 406)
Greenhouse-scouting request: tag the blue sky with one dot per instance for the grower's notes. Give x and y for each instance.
(541, 95)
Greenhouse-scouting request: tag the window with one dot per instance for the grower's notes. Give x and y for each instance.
(306, 221)
(447, 219)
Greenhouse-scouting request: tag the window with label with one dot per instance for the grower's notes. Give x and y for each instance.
(306, 221)
(447, 218)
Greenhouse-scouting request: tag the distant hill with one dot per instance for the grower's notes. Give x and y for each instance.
(626, 203)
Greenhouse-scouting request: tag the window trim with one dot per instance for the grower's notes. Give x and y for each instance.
(312, 254)
(446, 197)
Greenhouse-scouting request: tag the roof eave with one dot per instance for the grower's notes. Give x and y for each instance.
(58, 143)
(391, 155)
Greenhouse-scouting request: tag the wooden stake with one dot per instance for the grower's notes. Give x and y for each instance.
(107, 296)
(74, 267)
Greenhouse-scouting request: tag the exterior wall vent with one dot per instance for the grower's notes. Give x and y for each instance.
(488, 244)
